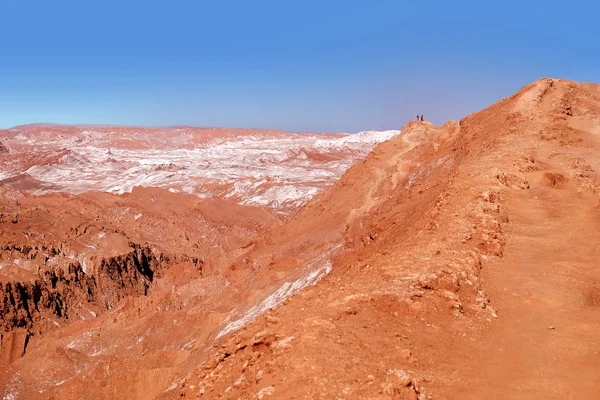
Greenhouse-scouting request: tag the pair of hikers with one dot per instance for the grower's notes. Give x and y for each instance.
(420, 118)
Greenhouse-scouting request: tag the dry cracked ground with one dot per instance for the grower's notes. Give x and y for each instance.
(451, 262)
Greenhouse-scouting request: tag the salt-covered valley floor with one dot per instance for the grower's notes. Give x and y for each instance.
(276, 169)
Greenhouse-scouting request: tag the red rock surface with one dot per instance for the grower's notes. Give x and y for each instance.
(457, 261)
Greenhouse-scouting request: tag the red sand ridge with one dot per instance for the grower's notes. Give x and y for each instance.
(452, 262)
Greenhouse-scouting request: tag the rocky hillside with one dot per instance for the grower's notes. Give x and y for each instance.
(457, 261)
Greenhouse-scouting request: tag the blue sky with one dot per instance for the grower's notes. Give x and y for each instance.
(336, 66)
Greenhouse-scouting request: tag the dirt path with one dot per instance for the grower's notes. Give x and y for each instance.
(545, 343)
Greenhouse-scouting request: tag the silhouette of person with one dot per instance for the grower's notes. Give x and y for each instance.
(422, 119)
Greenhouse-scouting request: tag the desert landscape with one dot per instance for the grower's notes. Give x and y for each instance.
(457, 261)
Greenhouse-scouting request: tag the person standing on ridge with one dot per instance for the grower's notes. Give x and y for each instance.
(422, 119)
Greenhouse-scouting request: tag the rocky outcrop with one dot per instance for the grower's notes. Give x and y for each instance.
(59, 294)
(132, 274)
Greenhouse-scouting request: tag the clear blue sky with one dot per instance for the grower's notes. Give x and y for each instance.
(295, 65)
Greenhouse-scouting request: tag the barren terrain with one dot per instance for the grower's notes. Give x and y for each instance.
(276, 169)
(453, 261)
